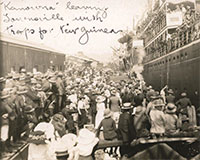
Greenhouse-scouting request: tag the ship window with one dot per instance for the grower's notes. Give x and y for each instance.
(186, 54)
(169, 59)
(166, 60)
(177, 57)
(174, 58)
(181, 55)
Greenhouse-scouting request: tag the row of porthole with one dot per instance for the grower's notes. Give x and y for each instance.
(169, 60)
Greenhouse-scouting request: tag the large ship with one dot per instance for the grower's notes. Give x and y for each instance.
(171, 34)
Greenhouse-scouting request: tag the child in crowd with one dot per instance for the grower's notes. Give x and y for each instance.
(109, 130)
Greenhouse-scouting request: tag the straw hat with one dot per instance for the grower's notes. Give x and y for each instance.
(47, 129)
(15, 76)
(107, 113)
(113, 92)
(69, 140)
(127, 106)
(38, 87)
(100, 99)
(5, 93)
(23, 70)
(28, 109)
(171, 108)
(22, 90)
(22, 78)
(52, 79)
(33, 81)
(60, 74)
(61, 148)
(154, 95)
(86, 142)
(2, 79)
(9, 76)
(86, 137)
(171, 91)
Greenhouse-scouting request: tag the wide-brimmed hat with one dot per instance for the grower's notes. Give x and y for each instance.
(113, 92)
(60, 148)
(22, 78)
(2, 79)
(58, 117)
(127, 106)
(69, 140)
(33, 81)
(60, 74)
(38, 87)
(5, 93)
(107, 113)
(22, 90)
(100, 99)
(171, 108)
(86, 137)
(23, 70)
(9, 75)
(170, 91)
(52, 79)
(28, 109)
(15, 76)
(47, 129)
(154, 95)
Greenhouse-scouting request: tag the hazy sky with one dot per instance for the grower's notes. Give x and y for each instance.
(64, 24)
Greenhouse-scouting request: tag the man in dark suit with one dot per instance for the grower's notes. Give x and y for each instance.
(126, 128)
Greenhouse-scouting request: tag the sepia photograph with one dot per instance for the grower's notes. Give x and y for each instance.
(99, 79)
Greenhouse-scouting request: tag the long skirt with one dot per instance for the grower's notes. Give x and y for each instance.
(82, 118)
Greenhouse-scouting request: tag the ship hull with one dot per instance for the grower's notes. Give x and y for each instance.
(179, 69)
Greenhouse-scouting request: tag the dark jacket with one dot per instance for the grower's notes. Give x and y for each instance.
(109, 129)
(182, 104)
(32, 98)
(114, 104)
(126, 129)
(5, 109)
(170, 98)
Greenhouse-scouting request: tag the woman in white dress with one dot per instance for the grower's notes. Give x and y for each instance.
(100, 110)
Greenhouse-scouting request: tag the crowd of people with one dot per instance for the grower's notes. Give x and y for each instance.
(55, 112)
